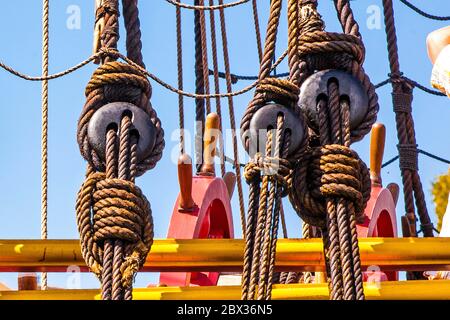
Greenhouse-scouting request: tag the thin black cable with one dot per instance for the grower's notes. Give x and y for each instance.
(430, 155)
(235, 78)
(423, 13)
(433, 156)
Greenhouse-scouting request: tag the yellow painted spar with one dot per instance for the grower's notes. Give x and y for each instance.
(227, 255)
(392, 290)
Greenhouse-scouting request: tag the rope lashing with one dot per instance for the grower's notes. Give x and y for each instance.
(320, 42)
(329, 171)
(113, 209)
(277, 168)
(408, 156)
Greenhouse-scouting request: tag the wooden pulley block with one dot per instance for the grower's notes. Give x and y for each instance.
(350, 90)
(265, 119)
(110, 116)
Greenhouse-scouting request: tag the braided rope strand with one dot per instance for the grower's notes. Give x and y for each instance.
(44, 133)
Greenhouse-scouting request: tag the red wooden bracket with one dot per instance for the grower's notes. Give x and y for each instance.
(211, 218)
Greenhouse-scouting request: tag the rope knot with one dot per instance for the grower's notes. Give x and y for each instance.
(277, 169)
(109, 52)
(114, 209)
(117, 81)
(278, 90)
(331, 171)
(333, 44)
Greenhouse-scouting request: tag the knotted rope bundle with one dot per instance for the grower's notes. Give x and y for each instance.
(268, 177)
(276, 90)
(330, 171)
(278, 169)
(114, 217)
(113, 209)
(117, 82)
(331, 185)
(269, 172)
(321, 50)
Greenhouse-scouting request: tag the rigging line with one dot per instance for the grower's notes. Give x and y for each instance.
(193, 95)
(389, 161)
(423, 13)
(111, 52)
(44, 132)
(216, 7)
(180, 78)
(212, 20)
(235, 78)
(52, 76)
(430, 155)
(425, 89)
(204, 50)
(226, 61)
(435, 157)
(257, 29)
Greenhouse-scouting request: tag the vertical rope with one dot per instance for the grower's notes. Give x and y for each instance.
(402, 98)
(44, 133)
(180, 78)
(109, 38)
(108, 247)
(217, 85)
(346, 18)
(236, 164)
(205, 67)
(199, 89)
(257, 29)
(293, 33)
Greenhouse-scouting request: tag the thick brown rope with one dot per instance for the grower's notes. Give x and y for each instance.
(402, 100)
(345, 15)
(265, 198)
(407, 147)
(332, 172)
(44, 134)
(259, 256)
(113, 216)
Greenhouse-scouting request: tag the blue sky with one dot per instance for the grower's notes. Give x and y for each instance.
(20, 118)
